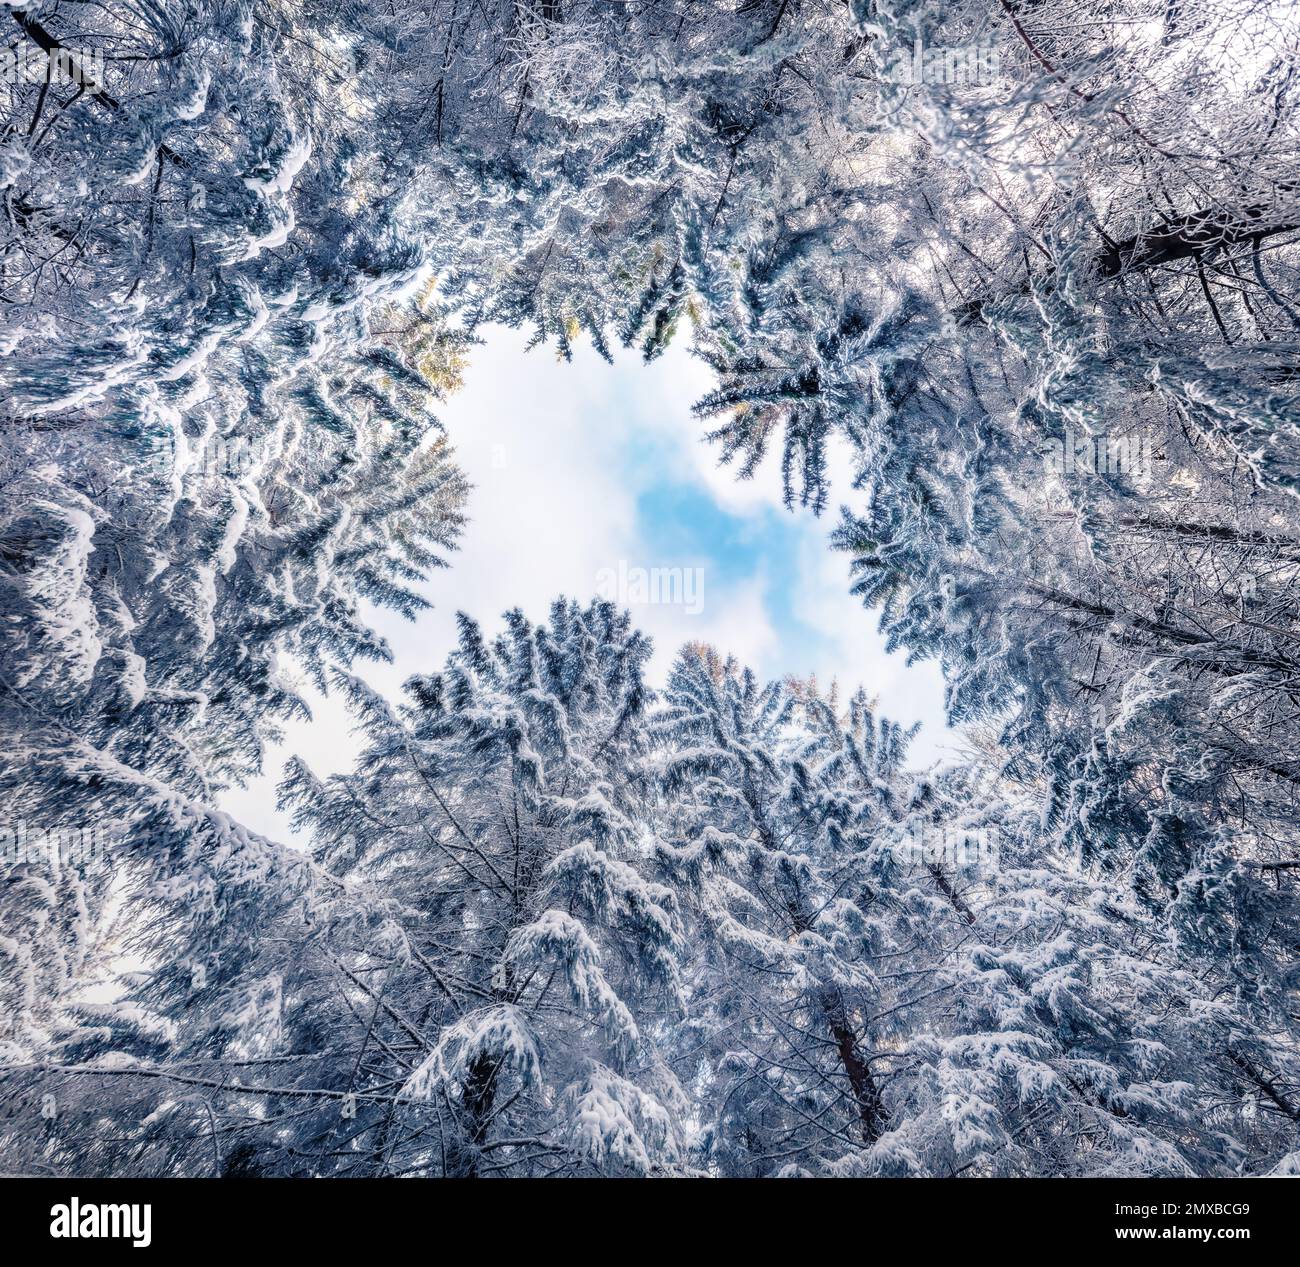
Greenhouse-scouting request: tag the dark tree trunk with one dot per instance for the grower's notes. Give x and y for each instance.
(477, 1099)
(866, 1094)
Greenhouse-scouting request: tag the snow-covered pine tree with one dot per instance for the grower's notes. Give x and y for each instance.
(158, 598)
(1084, 1037)
(819, 942)
(505, 1016)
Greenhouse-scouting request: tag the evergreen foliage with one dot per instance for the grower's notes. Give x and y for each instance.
(553, 923)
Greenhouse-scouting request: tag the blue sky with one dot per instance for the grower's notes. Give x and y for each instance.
(581, 468)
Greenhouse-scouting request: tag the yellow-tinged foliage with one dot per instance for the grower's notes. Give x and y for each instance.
(427, 345)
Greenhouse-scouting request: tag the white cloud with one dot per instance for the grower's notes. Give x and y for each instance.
(546, 446)
(734, 619)
(691, 459)
(852, 652)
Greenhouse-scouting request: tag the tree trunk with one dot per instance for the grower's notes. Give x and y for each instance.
(866, 1094)
(477, 1099)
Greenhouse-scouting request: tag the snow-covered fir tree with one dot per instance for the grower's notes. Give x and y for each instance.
(556, 926)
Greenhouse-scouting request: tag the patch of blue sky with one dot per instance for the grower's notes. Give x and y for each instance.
(769, 545)
(587, 471)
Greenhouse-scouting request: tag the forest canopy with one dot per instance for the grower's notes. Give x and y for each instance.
(1034, 263)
